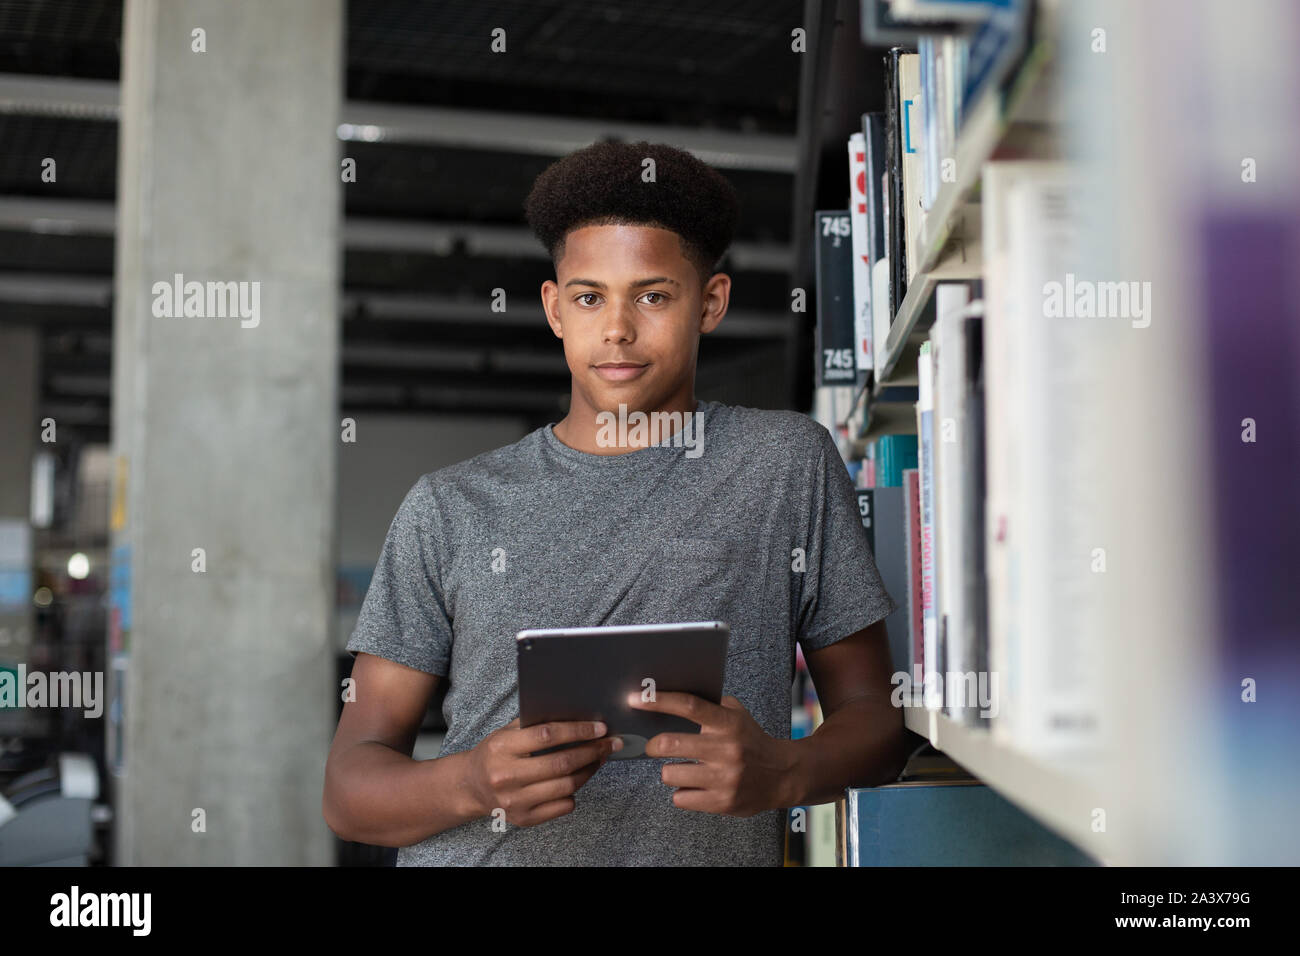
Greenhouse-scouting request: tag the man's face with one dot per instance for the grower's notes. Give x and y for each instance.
(629, 308)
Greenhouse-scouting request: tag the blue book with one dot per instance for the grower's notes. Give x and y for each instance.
(995, 47)
(947, 823)
(894, 454)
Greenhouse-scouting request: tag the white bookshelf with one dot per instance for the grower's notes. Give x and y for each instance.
(1017, 119)
(1061, 797)
(900, 364)
(1179, 775)
(950, 240)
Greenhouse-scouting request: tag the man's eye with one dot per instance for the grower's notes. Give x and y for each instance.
(583, 296)
(660, 294)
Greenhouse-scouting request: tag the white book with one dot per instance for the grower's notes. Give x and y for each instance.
(1002, 401)
(821, 408)
(949, 103)
(937, 118)
(931, 675)
(821, 834)
(1043, 453)
(912, 129)
(975, 11)
(881, 313)
(947, 353)
(862, 317)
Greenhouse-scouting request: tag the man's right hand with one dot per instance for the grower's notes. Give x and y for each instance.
(532, 790)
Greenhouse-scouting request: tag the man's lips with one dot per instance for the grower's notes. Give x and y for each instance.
(620, 371)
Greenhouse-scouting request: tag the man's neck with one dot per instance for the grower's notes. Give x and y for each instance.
(620, 430)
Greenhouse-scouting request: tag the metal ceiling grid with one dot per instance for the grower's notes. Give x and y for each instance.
(723, 63)
(61, 37)
(85, 153)
(724, 66)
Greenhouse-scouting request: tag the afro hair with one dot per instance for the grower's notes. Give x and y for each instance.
(602, 185)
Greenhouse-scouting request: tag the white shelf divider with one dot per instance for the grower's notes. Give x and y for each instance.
(1060, 799)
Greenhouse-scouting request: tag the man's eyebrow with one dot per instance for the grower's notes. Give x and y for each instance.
(653, 280)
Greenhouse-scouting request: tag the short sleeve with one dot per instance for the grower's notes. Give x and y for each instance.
(404, 617)
(842, 591)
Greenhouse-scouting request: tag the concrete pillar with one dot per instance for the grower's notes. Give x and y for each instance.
(19, 427)
(226, 428)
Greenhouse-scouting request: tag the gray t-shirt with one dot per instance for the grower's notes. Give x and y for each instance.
(540, 535)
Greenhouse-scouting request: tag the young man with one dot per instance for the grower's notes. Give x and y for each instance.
(741, 515)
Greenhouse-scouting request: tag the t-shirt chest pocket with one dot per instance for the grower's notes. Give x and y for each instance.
(708, 579)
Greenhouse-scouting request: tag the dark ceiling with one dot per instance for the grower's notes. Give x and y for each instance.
(719, 75)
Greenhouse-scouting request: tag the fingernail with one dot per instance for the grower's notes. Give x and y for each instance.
(618, 744)
(600, 728)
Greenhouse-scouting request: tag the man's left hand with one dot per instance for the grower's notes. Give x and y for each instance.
(739, 769)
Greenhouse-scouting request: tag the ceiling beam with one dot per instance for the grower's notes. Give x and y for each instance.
(428, 315)
(79, 217)
(28, 95)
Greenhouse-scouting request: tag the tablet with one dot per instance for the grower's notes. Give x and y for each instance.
(586, 673)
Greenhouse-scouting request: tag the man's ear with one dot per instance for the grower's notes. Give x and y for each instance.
(717, 294)
(551, 306)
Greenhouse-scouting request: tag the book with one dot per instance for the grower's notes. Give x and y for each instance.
(868, 474)
(821, 835)
(882, 515)
(1000, 400)
(873, 133)
(912, 527)
(929, 572)
(927, 49)
(882, 26)
(947, 823)
(860, 225)
(966, 10)
(973, 638)
(894, 136)
(996, 47)
(911, 119)
(894, 454)
(833, 262)
(947, 357)
(1042, 465)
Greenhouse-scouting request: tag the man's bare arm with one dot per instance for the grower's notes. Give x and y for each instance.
(374, 791)
(861, 741)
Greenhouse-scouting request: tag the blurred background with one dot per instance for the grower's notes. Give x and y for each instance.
(367, 164)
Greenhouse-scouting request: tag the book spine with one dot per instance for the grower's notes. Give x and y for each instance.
(860, 226)
(833, 260)
(874, 125)
(1058, 647)
(925, 407)
(894, 186)
(915, 614)
(925, 47)
(911, 119)
(975, 638)
(947, 358)
(1002, 402)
